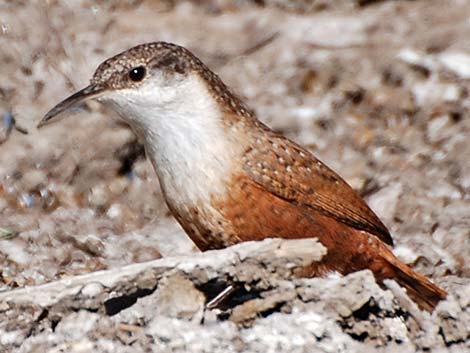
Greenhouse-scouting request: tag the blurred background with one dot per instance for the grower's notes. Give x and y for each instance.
(379, 90)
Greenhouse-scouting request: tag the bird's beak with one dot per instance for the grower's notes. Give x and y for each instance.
(90, 92)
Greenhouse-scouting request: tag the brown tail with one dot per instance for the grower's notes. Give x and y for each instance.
(425, 293)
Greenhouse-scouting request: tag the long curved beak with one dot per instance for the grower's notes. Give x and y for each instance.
(90, 92)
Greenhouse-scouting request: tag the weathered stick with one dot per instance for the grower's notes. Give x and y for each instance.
(92, 290)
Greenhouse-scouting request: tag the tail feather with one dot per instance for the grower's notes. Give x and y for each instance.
(420, 289)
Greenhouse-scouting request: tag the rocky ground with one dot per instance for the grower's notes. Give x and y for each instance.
(378, 90)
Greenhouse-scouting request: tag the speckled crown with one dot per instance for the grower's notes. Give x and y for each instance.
(114, 72)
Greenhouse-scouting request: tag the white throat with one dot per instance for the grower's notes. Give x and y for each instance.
(183, 136)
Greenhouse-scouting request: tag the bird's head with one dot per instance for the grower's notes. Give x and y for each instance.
(149, 81)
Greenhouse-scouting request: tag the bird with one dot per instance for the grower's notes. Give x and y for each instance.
(228, 178)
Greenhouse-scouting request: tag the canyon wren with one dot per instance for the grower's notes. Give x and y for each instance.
(228, 178)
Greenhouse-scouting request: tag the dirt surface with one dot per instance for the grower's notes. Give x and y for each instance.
(160, 306)
(378, 90)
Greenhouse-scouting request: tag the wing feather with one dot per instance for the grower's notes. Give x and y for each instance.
(289, 171)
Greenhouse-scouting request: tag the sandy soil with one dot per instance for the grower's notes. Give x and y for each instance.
(380, 92)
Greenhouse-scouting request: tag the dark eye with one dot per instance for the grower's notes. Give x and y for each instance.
(137, 73)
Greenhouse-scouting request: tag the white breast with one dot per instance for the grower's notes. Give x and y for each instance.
(183, 135)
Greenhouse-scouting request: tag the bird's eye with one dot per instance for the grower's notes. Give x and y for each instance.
(137, 73)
